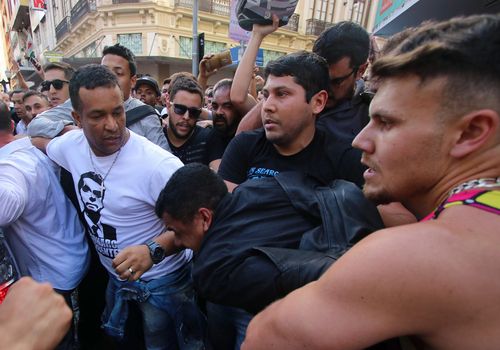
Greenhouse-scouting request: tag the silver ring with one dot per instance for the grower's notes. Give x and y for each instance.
(131, 271)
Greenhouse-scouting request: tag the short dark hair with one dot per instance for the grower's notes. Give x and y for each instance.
(178, 75)
(190, 188)
(464, 50)
(5, 118)
(343, 39)
(307, 69)
(35, 93)
(185, 84)
(16, 91)
(65, 67)
(90, 77)
(166, 81)
(222, 84)
(122, 51)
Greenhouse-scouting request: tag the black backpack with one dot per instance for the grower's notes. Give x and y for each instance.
(138, 113)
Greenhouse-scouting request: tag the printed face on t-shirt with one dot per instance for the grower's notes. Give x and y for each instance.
(91, 194)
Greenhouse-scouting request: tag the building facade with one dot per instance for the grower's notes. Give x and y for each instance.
(159, 32)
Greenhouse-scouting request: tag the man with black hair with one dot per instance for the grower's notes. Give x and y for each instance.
(101, 156)
(433, 144)
(122, 62)
(35, 103)
(345, 46)
(226, 116)
(188, 141)
(19, 113)
(294, 94)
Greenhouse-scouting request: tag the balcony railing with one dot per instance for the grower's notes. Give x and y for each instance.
(316, 26)
(62, 28)
(219, 7)
(293, 23)
(81, 8)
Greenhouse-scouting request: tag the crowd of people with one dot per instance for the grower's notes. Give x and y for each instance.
(342, 200)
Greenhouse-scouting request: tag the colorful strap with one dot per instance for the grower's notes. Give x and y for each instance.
(488, 200)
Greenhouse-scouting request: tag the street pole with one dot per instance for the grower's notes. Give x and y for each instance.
(194, 55)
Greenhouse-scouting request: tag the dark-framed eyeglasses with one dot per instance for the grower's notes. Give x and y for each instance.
(340, 80)
(56, 83)
(194, 112)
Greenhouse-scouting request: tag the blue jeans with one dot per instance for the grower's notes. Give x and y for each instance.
(227, 326)
(170, 316)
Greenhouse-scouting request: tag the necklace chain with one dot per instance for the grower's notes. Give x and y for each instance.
(483, 182)
(107, 173)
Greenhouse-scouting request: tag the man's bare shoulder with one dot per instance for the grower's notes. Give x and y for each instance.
(426, 278)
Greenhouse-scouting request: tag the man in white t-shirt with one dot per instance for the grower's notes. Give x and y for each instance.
(118, 176)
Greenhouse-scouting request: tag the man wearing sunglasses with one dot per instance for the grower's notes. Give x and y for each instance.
(345, 46)
(188, 141)
(57, 76)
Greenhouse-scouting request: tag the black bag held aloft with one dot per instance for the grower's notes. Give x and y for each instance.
(260, 12)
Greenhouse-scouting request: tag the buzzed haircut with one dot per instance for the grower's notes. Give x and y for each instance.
(185, 84)
(307, 69)
(195, 186)
(35, 93)
(343, 39)
(65, 67)
(464, 50)
(122, 51)
(5, 118)
(89, 77)
(222, 84)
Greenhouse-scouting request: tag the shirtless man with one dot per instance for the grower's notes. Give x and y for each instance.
(433, 138)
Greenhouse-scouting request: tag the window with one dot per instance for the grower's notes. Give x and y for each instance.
(322, 10)
(271, 55)
(131, 41)
(186, 47)
(358, 11)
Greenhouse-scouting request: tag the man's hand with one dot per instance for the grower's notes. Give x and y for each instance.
(33, 316)
(132, 262)
(266, 29)
(202, 69)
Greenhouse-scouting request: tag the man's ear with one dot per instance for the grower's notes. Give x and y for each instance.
(361, 70)
(318, 101)
(475, 130)
(207, 216)
(77, 118)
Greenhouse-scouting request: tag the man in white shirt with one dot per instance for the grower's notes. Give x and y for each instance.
(103, 158)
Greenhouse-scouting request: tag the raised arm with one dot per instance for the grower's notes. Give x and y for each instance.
(240, 97)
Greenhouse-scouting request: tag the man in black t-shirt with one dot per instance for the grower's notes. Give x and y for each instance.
(189, 142)
(294, 94)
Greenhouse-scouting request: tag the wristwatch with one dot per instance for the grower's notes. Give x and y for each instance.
(156, 251)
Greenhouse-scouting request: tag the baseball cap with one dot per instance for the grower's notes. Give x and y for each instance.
(146, 79)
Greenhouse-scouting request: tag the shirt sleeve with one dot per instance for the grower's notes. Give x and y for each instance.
(150, 127)
(162, 174)
(55, 151)
(51, 122)
(234, 163)
(13, 193)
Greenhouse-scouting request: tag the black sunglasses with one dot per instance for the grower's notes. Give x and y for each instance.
(340, 80)
(194, 112)
(57, 83)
